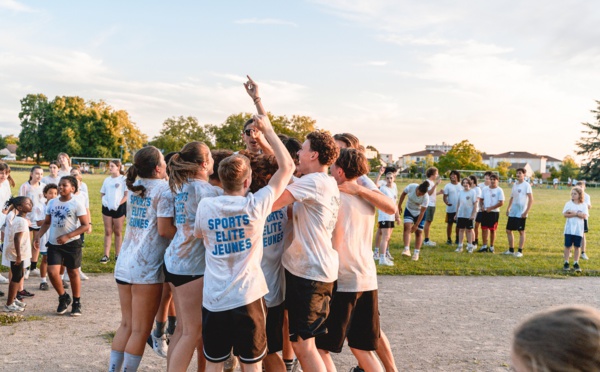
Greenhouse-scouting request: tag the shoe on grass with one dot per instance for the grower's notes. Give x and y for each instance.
(518, 254)
(566, 267)
(576, 267)
(104, 260)
(584, 256)
(508, 252)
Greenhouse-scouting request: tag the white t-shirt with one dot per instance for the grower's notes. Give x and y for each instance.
(391, 193)
(49, 179)
(39, 214)
(352, 239)
(143, 250)
(36, 194)
(432, 197)
(365, 181)
(62, 173)
(273, 243)
(491, 197)
(114, 190)
(18, 225)
(5, 194)
(519, 199)
(452, 191)
(185, 254)
(83, 188)
(64, 217)
(311, 255)
(232, 228)
(467, 201)
(574, 225)
(414, 202)
(6, 226)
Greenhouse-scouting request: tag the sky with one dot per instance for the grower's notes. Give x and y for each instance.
(399, 74)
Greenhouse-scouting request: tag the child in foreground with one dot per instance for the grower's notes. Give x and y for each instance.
(39, 212)
(575, 211)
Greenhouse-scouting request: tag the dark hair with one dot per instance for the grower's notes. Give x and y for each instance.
(54, 162)
(352, 162)
(494, 176)
(424, 187)
(218, 155)
(248, 122)
(72, 180)
(468, 179)
(522, 170)
(16, 201)
(263, 168)
(293, 146)
(185, 163)
(117, 162)
(473, 179)
(50, 186)
(145, 162)
(322, 142)
(430, 171)
(488, 173)
(391, 169)
(6, 168)
(168, 159)
(33, 169)
(233, 170)
(456, 173)
(349, 139)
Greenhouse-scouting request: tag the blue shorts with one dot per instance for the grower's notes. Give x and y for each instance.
(572, 240)
(409, 218)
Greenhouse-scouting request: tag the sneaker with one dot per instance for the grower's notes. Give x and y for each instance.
(104, 260)
(385, 262)
(19, 297)
(470, 249)
(415, 256)
(76, 309)
(507, 252)
(44, 286)
(159, 345)
(518, 254)
(26, 275)
(458, 250)
(584, 256)
(491, 249)
(13, 308)
(65, 285)
(3, 280)
(25, 293)
(449, 242)
(296, 367)
(35, 272)
(456, 241)
(483, 249)
(66, 278)
(566, 267)
(406, 252)
(576, 267)
(1, 294)
(20, 303)
(231, 363)
(356, 369)
(82, 276)
(63, 303)
(388, 255)
(476, 242)
(429, 243)
(376, 254)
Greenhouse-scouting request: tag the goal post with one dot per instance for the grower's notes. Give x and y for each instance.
(92, 165)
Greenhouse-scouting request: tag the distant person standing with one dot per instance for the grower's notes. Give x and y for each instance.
(493, 199)
(481, 187)
(414, 213)
(519, 204)
(451, 191)
(575, 211)
(433, 177)
(588, 201)
(555, 183)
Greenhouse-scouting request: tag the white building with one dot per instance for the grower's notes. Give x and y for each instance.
(387, 158)
(539, 163)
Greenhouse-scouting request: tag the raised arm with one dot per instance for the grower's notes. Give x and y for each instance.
(252, 90)
(374, 197)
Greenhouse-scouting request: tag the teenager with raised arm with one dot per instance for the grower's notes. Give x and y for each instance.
(253, 138)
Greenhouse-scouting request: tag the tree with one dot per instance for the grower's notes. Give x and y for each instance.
(589, 146)
(2, 142)
(33, 116)
(462, 155)
(502, 168)
(228, 135)
(177, 131)
(554, 173)
(568, 168)
(376, 162)
(11, 139)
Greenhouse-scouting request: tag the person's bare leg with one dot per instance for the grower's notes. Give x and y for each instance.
(492, 237)
(273, 363)
(55, 278)
(124, 331)
(386, 234)
(326, 356)
(75, 282)
(145, 302)
(367, 360)
(118, 231)
(522, 240)
(254, 367)
(178, 330)
(308, 355)
(108, 232)
(449, 230)
(406, 234)
(484, 236)
(511, 239)
(384, 352)
(427, 228)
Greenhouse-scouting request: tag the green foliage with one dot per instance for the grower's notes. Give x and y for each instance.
(376, 162)
(462, 155)
(589, 146)
(554, 173)
(568, 168)
(11, 139)
(177, 131)
(502, 168)
(33, 116)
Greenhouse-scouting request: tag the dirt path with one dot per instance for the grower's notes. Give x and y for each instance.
(435, 323)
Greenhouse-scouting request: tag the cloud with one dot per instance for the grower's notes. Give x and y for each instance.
(15, 6)
(265, 21)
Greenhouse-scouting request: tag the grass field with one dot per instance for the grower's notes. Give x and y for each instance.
(542, 253)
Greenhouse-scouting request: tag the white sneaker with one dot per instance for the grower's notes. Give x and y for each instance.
(470, 248)
(66, 277)
(518, 254)
(159, 345)
(26, 275)
(458, 250)
(13, 308)
(406, 252)
(429, 243)
(583, 257)
(508, 253)
(376, 254)
(3, 280)
(415, 256)
(385, 262)
(35, 272)
(389, 256)
(20, 303)
(82, 275)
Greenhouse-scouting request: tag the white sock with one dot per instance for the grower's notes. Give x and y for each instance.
(406, 248)
(131, 362)
(417, 251)
(44, 279)
(116, 361)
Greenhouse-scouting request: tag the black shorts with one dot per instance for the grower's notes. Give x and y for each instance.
(516, 224)
(177, 279)
(464, 223)
(386, 224)
(585, 226)
(68, 254)
(16, 271)
(275, 328)
(489, 220)
(307, 303)
(242, 328)
(479, 217)
(120, 212)
(450, 217)
(122, 282)
(34, 229)
(354, 315)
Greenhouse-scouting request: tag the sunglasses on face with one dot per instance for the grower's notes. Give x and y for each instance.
(249, 132)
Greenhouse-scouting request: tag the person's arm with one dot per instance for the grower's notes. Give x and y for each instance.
(166, 228)
(286, 198)
(285, 162)
(401, 201)
(379, 174)
(435, 184)
(529, 204)
(419, 219)
(497, 205)
(510, 201)
(18, 237)
(457, 208)
(42, 231)
(83, 220)
(124, 199)
(446, 197)
(374, 197)
(252, 90)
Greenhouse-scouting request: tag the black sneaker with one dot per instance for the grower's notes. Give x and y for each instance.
(476, 242)
(566, 267)
(44, 286)
(116, 258)
(25, 293)
(483, 250)
(576, 267)
(1, 294)
(63, 303)
(19, 297)
(456, 241)
(76, 309)
(104, 260)
(449, 241)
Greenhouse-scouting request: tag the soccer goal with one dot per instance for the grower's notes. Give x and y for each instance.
(92, 165)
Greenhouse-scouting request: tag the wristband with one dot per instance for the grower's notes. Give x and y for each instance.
(256, 100)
